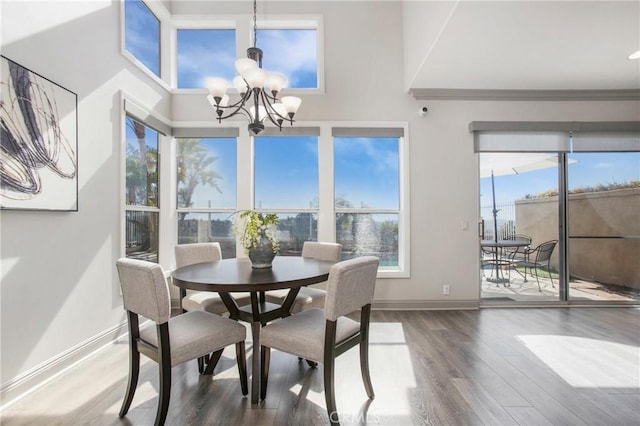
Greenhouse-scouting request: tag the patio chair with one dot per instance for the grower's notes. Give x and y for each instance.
(321, 335)
(514, 255)
(169, 341)
(538, 258)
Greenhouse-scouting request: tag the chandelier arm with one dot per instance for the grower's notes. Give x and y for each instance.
(271, 110)
(237, 107)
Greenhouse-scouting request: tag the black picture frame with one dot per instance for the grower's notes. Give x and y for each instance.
(39, 141)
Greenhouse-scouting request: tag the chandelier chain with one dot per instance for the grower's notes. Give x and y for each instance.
(255, 24)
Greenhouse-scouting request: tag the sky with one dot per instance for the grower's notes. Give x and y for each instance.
(287, 176)
(204, 53)
(587, 169)
(366, 169)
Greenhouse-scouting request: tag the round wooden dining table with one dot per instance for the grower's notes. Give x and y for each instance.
(229, 276)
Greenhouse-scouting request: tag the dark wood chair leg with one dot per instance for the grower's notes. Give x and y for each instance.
(265, 359)
(164, 364)
(241, 358)
(201, 364)
(329, 392)
(364, 350)
(329, 363)
(134, 364)
(213, 361)
(183, 294)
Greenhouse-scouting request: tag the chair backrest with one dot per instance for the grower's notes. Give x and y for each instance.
(188, 254)
(144, 289)
(350, 286)
(322, 251)
(520, 237)
(544, 250)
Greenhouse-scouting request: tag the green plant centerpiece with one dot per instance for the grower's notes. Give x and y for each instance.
(257, 234)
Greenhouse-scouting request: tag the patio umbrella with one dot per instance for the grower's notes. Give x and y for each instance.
(508, 163)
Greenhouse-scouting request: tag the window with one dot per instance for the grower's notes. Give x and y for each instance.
(141, 191)
(292, 52)
(142, 34)
(367, 195)
(206, 191)
(204, 53)
(286, 182)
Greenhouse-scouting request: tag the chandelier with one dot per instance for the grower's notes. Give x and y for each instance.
(258, 92)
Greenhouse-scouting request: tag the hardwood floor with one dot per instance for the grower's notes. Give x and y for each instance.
(562, 366)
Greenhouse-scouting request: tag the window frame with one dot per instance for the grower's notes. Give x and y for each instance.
(143, 114)
(163, 17)
(204, 134)
(360, 130)
(287, 132)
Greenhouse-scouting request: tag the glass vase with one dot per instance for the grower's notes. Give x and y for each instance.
(262, 255)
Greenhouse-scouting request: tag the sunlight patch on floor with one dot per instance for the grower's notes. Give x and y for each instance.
(588, 363)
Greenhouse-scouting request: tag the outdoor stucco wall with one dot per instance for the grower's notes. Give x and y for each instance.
(596, 214)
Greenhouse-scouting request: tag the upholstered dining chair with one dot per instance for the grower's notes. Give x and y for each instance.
(320, 335)
(309, 297)
(169, 341)
(188, 254)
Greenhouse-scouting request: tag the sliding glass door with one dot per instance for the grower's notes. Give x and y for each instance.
(604, 226)
(560, 212)
(519, 212)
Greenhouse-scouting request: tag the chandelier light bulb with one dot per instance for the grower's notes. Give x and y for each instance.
(217, 87)
(291, 104)
(275, 82)
(258, 92)
(245, 64)
(635, 55)
(262, 112)
(255, 78)
(240, 84)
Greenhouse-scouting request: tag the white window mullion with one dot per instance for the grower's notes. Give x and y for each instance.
(326, 210)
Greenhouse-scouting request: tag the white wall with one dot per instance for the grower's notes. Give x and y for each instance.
(59, 286)
(59, 283)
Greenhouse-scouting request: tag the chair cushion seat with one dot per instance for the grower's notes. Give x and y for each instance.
(303, 334)
(194, 334)
(307, 298)
(211, 302)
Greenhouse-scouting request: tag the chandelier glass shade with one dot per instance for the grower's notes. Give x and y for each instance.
(258, 91)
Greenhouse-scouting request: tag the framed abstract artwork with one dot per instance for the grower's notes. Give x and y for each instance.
(39, 141)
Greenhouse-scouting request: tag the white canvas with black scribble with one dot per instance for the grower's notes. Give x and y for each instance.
(38, 157)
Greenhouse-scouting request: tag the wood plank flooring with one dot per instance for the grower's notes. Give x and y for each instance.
(551, 366)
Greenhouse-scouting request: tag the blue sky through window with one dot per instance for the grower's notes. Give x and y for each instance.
(589, 169)
(286, 172)
(205, 53)
(366, 172)
(293, 53)
(142, 34)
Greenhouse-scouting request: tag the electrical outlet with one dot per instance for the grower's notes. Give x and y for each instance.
(445, 289)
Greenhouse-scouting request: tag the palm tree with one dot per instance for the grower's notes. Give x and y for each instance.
(194, 168)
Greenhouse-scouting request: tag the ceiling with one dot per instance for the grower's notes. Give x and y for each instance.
(526, 46)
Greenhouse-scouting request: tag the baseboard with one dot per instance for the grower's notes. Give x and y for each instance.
(424, 305)
(25, 383)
